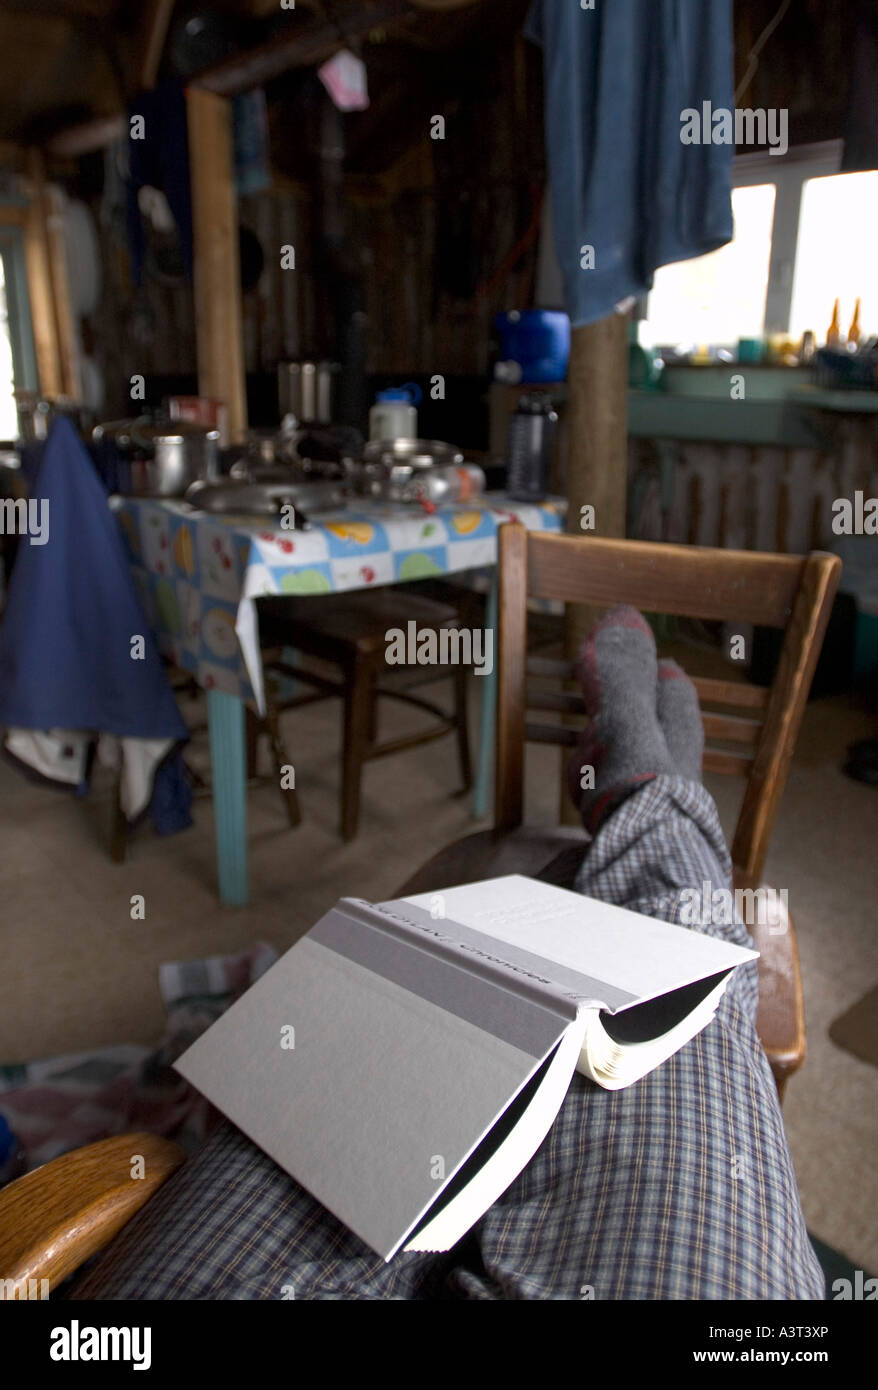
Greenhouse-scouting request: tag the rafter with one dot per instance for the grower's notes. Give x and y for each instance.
(152, 36)
(303, 46)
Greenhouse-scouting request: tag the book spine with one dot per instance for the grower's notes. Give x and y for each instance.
(514, 970)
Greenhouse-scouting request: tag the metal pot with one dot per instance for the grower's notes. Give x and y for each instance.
(390, 466)
(162, 460)
(267, 497)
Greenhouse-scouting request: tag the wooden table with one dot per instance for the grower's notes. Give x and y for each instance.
(199, 576)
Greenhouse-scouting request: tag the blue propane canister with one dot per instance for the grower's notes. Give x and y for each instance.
(537, 341)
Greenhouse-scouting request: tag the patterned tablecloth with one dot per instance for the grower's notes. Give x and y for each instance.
(198, 574)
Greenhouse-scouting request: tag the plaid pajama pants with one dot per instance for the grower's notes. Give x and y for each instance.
(679, 1187)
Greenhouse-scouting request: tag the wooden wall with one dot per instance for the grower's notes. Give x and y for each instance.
(804, 67)
(147, 332)
(434, 230)
(436, 234)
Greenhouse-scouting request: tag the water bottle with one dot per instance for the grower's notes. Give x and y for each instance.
(531, 448)
(394, 414)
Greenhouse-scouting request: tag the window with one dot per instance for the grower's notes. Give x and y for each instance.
(18, 363)
(720, 297)
(803, 238)
(8, 415)
(835, 254)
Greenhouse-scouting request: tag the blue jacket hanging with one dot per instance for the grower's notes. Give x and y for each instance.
(77, 659)
(628, 196)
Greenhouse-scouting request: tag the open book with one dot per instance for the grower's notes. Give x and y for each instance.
(405, 1060)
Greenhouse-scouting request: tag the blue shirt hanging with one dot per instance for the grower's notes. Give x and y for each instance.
(628, 196)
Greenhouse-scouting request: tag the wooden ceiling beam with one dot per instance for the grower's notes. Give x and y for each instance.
(304, 46)
(299, 49)
(88, 137)
(151, 40)
(62, 11)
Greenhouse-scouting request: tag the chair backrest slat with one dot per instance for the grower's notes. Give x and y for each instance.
(544, 666)
(688, 581)
(539, 698)
(737, 694)
(560, 734)
(783, 591)
(729, 764)
(731, 729)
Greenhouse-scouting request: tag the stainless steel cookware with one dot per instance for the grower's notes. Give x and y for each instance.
(162, 459)
(391, 466)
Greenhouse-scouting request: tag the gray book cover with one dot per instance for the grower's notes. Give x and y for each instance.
(404, 1060)
(371, 1067)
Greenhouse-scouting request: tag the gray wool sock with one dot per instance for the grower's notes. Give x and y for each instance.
(679, 714)
(623, 744)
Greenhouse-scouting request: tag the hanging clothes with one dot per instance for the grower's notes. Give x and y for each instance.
(628, 196)
(78, 664)
(158, 157)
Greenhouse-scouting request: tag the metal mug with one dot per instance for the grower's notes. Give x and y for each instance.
(307, 390)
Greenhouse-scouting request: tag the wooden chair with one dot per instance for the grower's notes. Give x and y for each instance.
(348, 631)
(53, 1219)
(781, 591)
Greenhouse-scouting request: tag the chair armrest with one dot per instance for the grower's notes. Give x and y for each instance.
(780, 1018)
(53, 1219)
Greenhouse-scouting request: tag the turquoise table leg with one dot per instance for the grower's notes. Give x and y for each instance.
(225, 718)
(482, 796)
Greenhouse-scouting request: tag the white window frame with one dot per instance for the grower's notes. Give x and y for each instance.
(789, 173)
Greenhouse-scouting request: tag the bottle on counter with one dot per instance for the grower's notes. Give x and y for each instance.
(394, 414)
(531, 448)
(854, 330)
(833, 334)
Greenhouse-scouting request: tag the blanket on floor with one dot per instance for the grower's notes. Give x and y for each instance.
(61, 1103)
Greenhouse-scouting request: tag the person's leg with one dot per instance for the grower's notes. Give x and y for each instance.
(231, 1225)
(680, 1186)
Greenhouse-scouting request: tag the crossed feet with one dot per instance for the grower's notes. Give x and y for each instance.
(644, 717)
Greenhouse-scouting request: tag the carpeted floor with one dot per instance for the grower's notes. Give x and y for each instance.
(77, 972)
(857, 1028)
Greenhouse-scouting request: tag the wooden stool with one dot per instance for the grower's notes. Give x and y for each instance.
(349, 632)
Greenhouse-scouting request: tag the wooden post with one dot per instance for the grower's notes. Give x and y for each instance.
(65, 317)
(48, 290)
(218, 324)
(597, 474)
